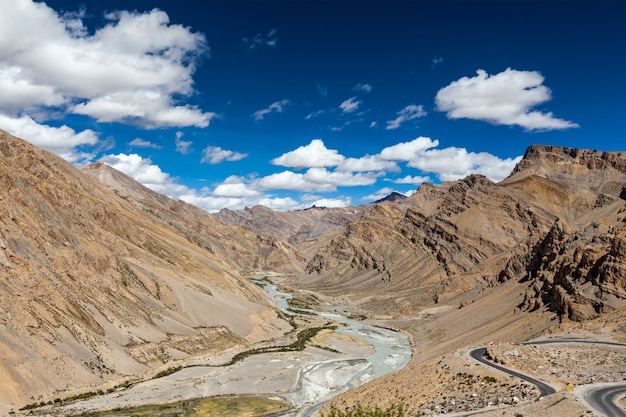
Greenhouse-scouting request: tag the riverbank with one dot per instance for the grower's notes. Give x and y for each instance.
(331, 362)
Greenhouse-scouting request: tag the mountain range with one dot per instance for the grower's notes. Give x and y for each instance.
(102, 279)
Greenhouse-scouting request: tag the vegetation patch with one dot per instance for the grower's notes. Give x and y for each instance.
(308, 301)
(243, 406)
(303, 337)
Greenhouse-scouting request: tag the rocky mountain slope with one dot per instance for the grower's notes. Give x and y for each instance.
(102, 279)
(99, 284)
(472, 263)
(557, 223)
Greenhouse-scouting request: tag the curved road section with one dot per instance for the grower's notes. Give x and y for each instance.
(544, 389)
(602, 398)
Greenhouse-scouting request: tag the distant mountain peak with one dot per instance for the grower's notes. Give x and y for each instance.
(394, 196)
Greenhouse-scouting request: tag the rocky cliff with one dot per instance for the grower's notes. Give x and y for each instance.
(100, 285)
(578, 268)
(557, 224)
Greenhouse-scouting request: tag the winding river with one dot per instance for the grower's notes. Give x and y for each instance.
(306, 379)
(319, 382)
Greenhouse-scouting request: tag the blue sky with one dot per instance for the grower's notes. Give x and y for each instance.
(228, 104)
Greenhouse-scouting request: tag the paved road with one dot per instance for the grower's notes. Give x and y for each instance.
(603, 399)
(600, 398)
(544, 389)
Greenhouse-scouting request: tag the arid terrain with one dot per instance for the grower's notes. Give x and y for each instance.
(103, 281)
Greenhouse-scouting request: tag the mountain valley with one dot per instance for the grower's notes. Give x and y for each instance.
(104, 281)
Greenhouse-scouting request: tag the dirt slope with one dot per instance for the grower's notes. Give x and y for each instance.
(97, 285)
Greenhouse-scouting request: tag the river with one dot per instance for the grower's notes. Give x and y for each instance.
(319, 382)
(354, 354)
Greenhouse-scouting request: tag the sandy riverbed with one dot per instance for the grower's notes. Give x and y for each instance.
(262, 374)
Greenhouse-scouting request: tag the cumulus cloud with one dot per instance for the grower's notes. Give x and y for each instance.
(20, 92)
(145, 172)
(314, 180)
(315, 154)
(450, 163)
(367, 163)
(331, 202)
(215, 155)
(406, 151)
(137, 68)
(234, 193)
(350, 105)
(414, 180)
(136, 60)
(277, 107)
(237, 192)
(288, 180)
(410, 112)
(505, 98)
(142, 143)
(146, 108)
(63, 140)
(235, 186)
(365, 88)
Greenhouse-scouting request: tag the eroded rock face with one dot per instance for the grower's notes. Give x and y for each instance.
(557, 223)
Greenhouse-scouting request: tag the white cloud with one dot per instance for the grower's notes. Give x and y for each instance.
(314, 114)
(450, 163)
(454, 163)
(146, 108)
(215, 155)
(504, 98)
(182, 146)
(350, 105)
(235, 186)
(20, 92)
(314, 180)
(64, 141)
(367, 163)
(315, 154)
(145, 172)
(337, 178)
(280, 203)
(410, 112)
(365, 88)
(406, 151)
(331, 202)
(142, 143)
(132, 70)
(288, 180)
(277, 107)
(416, 180)
(233, 193)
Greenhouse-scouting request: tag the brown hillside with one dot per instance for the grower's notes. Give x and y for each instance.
(472, 262)
(97, 285)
